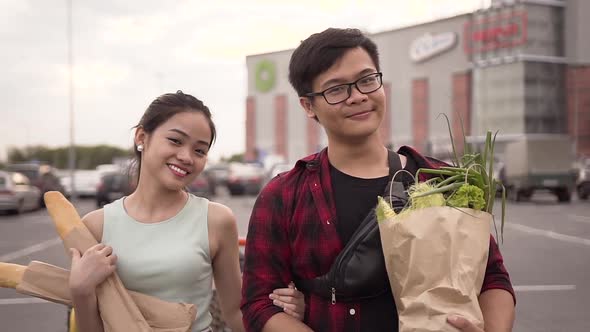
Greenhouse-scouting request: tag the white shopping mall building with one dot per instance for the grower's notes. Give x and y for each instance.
(520, 67)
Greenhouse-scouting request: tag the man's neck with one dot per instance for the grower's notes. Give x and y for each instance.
(366, 159)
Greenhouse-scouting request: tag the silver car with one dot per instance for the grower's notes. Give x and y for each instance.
(17, 194)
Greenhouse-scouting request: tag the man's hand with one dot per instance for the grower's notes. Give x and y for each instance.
(463, 324)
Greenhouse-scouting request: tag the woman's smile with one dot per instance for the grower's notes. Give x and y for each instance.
(180, 172)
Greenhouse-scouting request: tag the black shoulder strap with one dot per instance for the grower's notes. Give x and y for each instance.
(395, 163)
(395, 190)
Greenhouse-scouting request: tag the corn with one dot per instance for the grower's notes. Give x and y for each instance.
(383, 210)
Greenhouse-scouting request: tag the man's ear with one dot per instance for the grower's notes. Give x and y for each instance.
(307, 107)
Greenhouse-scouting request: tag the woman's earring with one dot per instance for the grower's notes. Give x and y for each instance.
(140, 147)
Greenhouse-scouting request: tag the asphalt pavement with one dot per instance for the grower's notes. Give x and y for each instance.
(546, 249)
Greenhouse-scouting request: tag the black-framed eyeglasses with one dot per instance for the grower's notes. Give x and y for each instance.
(339, 93)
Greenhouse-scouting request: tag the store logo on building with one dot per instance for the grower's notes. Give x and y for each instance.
(495, 32)
(266, 75)
(430, 45)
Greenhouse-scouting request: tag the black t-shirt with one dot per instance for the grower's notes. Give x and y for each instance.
(354, 198)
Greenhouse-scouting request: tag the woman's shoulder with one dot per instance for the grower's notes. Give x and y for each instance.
(94, 221)
(222, 225)
(220, 215)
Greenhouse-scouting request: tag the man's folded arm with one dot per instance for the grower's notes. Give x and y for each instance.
(267, 265)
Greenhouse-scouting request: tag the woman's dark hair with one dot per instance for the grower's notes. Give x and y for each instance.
(163, 108)
(320, 51)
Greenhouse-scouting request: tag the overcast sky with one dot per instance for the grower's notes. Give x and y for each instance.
(127, 52)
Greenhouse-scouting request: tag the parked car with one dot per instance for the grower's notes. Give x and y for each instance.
(245, 179)
(86, 182)
(217, 175)
(108, 168)
(113, 186)
(17, 194)
(583, 179)
(41, 176)
(277, 169)
(499, 174)
(201, 186)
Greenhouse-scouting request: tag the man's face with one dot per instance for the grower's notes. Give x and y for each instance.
(357, 117)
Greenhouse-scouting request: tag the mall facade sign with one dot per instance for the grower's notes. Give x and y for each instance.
(429, 45)
(504, 30)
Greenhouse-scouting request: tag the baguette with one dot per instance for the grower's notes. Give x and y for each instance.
(117, 308)
(50, 282)
(11, 274)
(62, 212)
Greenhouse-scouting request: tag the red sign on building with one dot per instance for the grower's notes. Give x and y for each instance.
(495, 32)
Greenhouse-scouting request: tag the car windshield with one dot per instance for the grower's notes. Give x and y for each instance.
(32, 175)
(246, 169)
(114, 180)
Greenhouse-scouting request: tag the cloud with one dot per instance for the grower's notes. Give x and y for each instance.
(135, 30)
(91, 77)
(128, 52)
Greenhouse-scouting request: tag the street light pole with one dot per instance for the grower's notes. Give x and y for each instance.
(575, 110)
(72, 150)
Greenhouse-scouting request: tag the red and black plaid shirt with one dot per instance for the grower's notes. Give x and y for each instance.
(292, 235)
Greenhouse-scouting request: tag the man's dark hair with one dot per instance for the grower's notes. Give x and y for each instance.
(320, 51)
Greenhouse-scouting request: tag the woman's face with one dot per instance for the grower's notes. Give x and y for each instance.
(176, 151)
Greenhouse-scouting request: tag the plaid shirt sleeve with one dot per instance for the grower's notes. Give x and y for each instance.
(496, 276)
(267, 257)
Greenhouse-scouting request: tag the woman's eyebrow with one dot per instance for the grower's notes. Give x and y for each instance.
(188, 136)
(179, 132)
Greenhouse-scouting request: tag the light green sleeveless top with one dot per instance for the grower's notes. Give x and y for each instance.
(169, 259)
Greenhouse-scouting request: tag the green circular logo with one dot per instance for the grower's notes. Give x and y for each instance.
(265, 75)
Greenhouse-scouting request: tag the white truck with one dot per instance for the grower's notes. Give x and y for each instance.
(539, 162)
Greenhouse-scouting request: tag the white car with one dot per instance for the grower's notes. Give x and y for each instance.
(279, 168)
(86, 182)
(17, 194)
(245, 179)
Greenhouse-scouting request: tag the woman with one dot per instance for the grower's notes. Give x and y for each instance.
(162, 240)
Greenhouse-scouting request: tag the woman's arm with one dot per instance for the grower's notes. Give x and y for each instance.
(85, 304)
(87, 271)
(223, 235)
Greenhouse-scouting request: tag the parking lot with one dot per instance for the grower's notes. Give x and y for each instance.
(546, 250)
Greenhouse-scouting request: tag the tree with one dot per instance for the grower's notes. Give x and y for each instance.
(238, 157)
(16, 155)
(87, 157)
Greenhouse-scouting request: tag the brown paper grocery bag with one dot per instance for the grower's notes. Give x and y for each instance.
(50, 282)
(436, 260)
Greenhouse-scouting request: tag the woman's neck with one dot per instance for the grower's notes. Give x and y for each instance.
(153, 203)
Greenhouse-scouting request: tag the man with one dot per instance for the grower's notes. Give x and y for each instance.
(303, 219)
